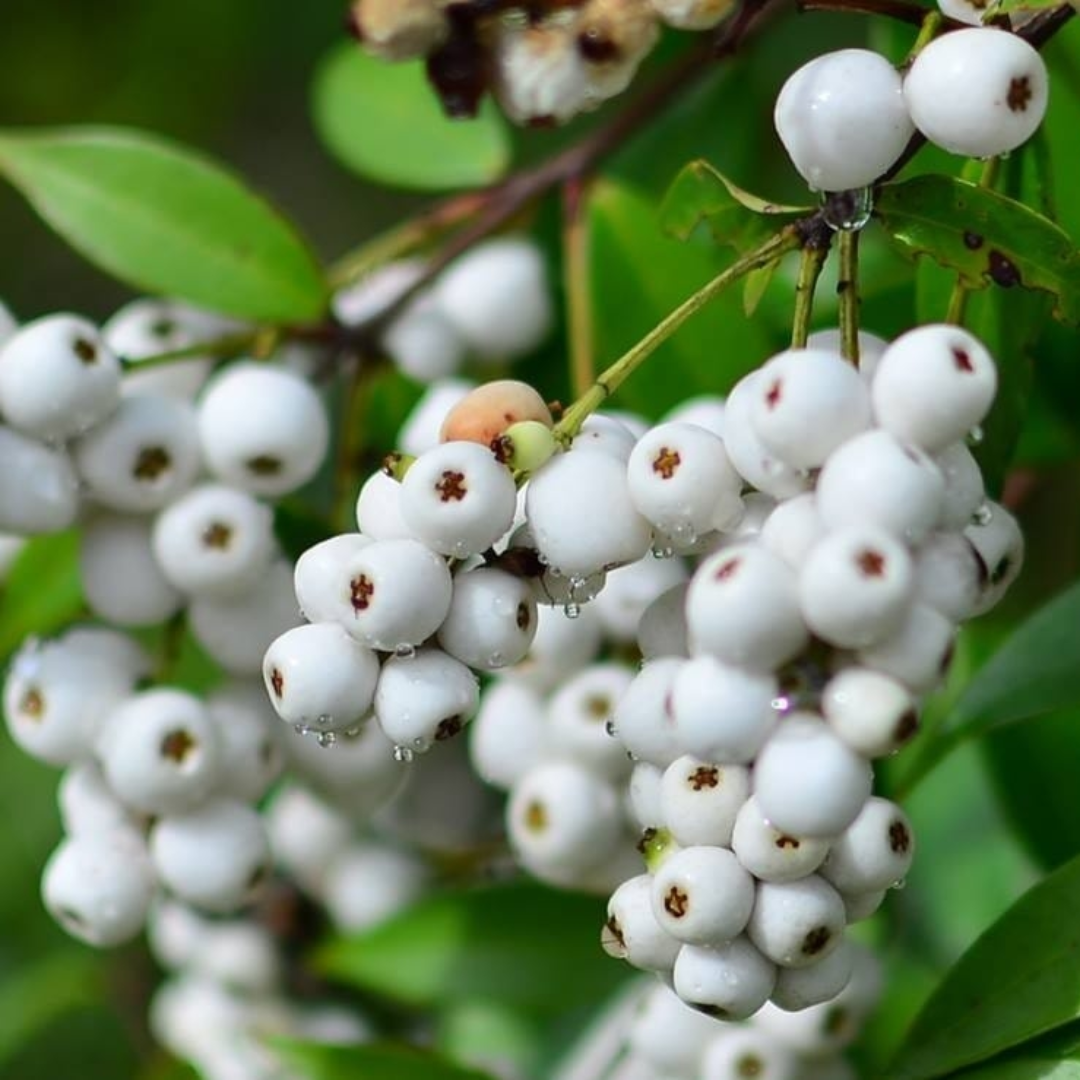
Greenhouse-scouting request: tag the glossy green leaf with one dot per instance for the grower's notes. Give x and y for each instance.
(165, 220)
(986, 238)
(378, 1061)
(43, 592)
(1007, 7)
(1033, 673)
(522, 945)
(735, 217)
(1020, 979)
(640, 275)
(384, 122)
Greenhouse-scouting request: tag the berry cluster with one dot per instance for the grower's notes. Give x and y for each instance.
(846, 117)
(798, 655)
(492, 305)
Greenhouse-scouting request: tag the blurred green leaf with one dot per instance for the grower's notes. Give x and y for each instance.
(384, 122)
(36, 994)
(43, 592)
(640, 275)
(1033, 673)
(523, 945)
(380, 1061)
(165, 220)
(985, 237)
(735, 217)
(1020, 979)
(1007, 7)
(1034, 768)
(482, 1032)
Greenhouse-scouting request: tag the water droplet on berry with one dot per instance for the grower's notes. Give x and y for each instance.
(403, 754)
(983, 515)
(976, 435)
(324, 719)
(421, 745)
(326, 739)
(847, 211)
(898, 884)
(404, 651)
(300, 729)
(610, 727)
(351, 733)
(662, 551)
(781, 704)
(572, 610)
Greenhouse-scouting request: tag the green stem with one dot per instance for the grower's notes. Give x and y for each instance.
(404, 239)
(221, 348)
(847, 288)
(810, 267)
(614, 376)
(958, 298)
(577, 287)
(931, 26)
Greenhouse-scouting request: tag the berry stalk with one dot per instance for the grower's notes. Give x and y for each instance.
(614, 376)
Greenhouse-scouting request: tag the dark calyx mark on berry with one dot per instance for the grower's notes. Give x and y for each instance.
(613, 939)
(1001, 571)
(704, 776)
(787, 843)
(973, 241)
(1019, 95)
(178, 745)
(361, 590)
(85, 350)
(523, 616)
(448, 728)
(451, 486)
(727, 571)
(459, 69)
(151, 463)
(666, 462)
(962, 360)
(1003, 271)
(217, 535)
(906, 726)
(163, 328)
(263, 465)
(71, 917)
(774, 393)
(871, 563)
(536, 816)
(598, 706)
(749, 1065)
(647, 838)
(277, 682)
(502, 446)
(32, 703)
(597, 47)
(816, 940)
(676, 902)
(899, 838)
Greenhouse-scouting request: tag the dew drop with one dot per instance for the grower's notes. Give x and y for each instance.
(403, 754)
(976, 435)
(323, 719)
(781, 704)
(662, 551)
(496, 660)
(353, 732)
(326, 739)
(572, 610)
(898, 884)
(983, 515)
(610, 727)
(405, 651)
(847, 211)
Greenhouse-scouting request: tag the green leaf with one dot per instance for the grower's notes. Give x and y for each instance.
(165, 220)
(1007, 7)
(986, 238)
(640, 275)
(1033, 673)
(522, 945)
(1020, 979)
(379, 1061)
(734, 216)
(384, 122)
(37, 994)
(43, 592)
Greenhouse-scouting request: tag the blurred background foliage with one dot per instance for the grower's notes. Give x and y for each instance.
(234, 80)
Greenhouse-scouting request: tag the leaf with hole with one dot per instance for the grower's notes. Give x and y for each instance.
(166, 220)
(987, 238)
